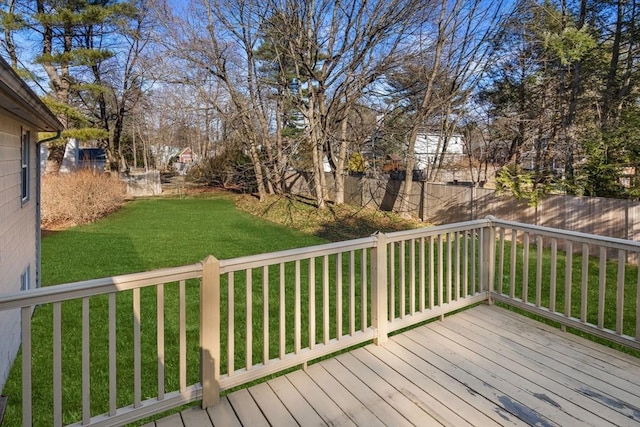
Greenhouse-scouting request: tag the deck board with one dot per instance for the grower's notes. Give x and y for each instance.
(321, 402)
(360, 414)
(600, 378)
(435, 392)
(295, 402)
(560, 386)
(484, 367)
(223, 414)
(274, 410)
(387, 410)
(584, 351)
(469, 370)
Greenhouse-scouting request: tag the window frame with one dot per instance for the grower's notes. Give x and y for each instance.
(25, 279)
(25, 166)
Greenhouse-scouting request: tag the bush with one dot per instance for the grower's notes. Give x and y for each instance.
(79, 198)
(230, 169)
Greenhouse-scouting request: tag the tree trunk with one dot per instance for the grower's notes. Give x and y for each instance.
(341, 161)
(257, 168)
(611, 86)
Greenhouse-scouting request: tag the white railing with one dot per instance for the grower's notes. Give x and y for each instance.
(235, 321)
(107, 297)
(569, 279)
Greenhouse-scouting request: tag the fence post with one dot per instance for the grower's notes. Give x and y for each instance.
(379, 296)
(488, 258)
(210, 332)
(423, 206)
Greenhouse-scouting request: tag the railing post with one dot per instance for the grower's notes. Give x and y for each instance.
(487, 278)
(379, 292)
(210, 332)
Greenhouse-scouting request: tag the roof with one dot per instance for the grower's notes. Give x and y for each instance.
(19, 101)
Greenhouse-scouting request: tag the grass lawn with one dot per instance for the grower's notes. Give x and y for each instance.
(144, 235)
(157, 233)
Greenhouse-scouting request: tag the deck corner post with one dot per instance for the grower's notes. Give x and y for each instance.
(379, 297)
(210, 332)
(488, 259)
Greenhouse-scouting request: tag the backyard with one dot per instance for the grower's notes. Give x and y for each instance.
(159, 233)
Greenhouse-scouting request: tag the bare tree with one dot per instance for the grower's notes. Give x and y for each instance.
(336, 52)
(456, 49)
(220, 38)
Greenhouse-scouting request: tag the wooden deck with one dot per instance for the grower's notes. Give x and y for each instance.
(485, 366)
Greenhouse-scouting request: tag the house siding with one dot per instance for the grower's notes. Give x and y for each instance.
(17, 232)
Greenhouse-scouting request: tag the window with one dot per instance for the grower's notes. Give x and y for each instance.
(25, 279)
(24, 149)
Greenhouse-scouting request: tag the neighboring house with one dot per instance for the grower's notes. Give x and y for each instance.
(22, 116)
(183, 161)
(429, 146)
(163, 155)
(83, 158)
(185, 156)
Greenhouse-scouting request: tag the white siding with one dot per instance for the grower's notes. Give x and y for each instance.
(429, 147)
(17, 233)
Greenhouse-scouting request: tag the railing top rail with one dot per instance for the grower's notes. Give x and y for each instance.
(438, 229)
(92, 287)
(271, 258)
(576, 236)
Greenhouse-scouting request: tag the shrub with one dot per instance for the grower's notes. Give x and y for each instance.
(79, 198)
(230, 169)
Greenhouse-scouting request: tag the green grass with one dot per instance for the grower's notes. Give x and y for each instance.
(158, 233)
(144, 235)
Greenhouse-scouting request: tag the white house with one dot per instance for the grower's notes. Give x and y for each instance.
(22, 116)
(429, 147)
(76, 158)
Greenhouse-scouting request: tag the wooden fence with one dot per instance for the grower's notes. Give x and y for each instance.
(445, 204)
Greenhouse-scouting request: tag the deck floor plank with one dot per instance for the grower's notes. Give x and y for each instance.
(390, 411)
(431, 387)
(561, 389)
(415, 410)
(223, 414)
(430, 397)
(170, 421)
(484, 366)
(195, 417)
(350, 405)
(556, 407)
(572, 350)
(248, 411)
(328, 410)
(572, 380)
(513, 395)
(476, 391)
(600, 378)
(295, 402)
(273, 409)
(590, 348)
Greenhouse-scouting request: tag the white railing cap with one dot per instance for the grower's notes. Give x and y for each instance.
(100, 286)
